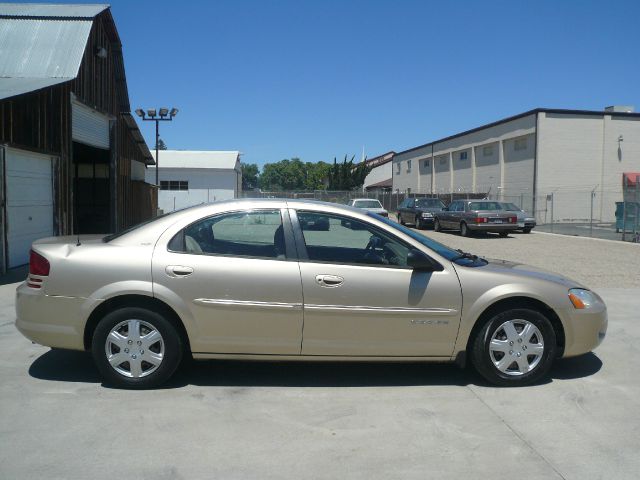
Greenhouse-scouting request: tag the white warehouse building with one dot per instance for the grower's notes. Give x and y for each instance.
(565, 165)
(193, 177)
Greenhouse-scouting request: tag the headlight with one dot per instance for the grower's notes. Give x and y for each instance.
(427, 214)
(581, 298)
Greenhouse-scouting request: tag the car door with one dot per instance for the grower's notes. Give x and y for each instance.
(446, 216)
(361, 298)
(235, 276)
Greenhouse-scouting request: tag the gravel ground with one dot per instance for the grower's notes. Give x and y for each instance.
(593, 262)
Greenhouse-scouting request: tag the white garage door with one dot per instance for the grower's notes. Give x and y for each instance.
(29, 200)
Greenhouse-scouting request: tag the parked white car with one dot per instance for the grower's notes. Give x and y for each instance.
(370, 205)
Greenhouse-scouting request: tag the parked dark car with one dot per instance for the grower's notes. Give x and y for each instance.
(419, 211)
(476, 216)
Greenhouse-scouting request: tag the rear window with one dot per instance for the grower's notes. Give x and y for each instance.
(429, 203)
(367, 204)
(113, 236)
(485, 206)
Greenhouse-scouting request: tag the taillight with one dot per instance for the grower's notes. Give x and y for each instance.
(38, 265)
(513, 219)
(481, 219)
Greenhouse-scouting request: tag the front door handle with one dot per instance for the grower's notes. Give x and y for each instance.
(329, 280)
(178, 271)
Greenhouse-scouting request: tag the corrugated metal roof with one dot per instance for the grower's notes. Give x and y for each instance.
(10, 87)
(87, 11)
(198, 159)
(41, 48)
(137, 137)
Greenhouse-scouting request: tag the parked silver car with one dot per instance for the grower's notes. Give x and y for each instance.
(370, 205)
(248, 280)
(526, 221)
(470, 216)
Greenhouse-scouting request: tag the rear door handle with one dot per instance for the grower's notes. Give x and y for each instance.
(329, 280)
(178, 271)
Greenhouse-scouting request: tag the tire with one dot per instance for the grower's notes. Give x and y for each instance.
(464, 230)
(400, 219)
(525, 369)
(503, 234)
(436, 225)
(163, 351)
(419, 224)
(526, 230)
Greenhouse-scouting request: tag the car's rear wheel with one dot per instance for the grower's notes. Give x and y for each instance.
(515, 347)
(526, 230)
(400, 219)
(464, 230)
(419, 224)
(136, 348)
(436, 226)
(503, 234)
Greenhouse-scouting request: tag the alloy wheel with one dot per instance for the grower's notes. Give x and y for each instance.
(134, 348)
(516, 347)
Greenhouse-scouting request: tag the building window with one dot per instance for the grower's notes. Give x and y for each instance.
(487, 151)
(398, 168)
(520, 144)
(408, 166)
(443, 160)
(463, 155)
(426, 164)
(174, 185)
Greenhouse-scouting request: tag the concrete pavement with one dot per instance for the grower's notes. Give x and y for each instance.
(287, 420)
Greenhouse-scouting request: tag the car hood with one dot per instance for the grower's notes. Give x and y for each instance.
(529, 271)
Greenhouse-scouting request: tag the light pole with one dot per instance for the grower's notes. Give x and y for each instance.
(163, 115)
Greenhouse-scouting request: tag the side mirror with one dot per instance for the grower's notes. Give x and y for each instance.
(420, 262)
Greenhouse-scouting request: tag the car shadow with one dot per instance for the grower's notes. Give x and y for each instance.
(73, 366)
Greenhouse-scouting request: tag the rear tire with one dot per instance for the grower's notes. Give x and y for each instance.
(436, 226)
(400, 219)
(507, 355)
(526, 230)
(136, 348)
(419, 224)
(503, 234)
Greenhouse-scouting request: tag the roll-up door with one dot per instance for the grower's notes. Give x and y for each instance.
(89, 127)
(29, 202)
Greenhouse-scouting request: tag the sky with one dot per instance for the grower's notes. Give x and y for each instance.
(323, 79)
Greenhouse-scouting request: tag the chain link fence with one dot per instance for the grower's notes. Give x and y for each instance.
(598, 213)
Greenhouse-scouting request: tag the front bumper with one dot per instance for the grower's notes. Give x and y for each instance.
(584, 329)
(53, 321)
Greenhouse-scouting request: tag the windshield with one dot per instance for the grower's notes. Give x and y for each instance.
(485, 206)
(429, 203)
(437, 247)
(113, 236)
(367, 204)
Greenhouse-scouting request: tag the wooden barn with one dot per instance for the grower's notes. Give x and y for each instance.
(72, 158)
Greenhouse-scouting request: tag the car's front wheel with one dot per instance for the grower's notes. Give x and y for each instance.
(136, 348)
(464, 230)
(436, 226)
(419, 224)
(515, 347)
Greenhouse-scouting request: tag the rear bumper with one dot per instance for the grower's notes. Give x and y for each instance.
(493, 228)
(52, 321)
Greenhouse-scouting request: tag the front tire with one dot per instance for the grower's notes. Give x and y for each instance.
(464, 230)
(514, 348)
(419, 224)
(136, 348)
(436, 226)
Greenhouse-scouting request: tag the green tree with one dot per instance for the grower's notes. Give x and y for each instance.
(347, 175)
(161, 145)
(250, 174)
